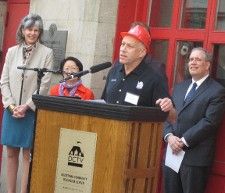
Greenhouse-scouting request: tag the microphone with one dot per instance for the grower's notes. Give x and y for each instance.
(73, 75)
(39, 69)
(99, 67)
(93, 69)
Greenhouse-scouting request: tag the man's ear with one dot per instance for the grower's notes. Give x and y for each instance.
(209, 65)
(143, 52)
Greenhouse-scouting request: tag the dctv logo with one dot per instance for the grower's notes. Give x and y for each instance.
(76, 156)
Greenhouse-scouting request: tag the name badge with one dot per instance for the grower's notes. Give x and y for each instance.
(131, 98)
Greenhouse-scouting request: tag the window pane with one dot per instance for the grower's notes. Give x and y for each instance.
(159, 49)
(220, 19)
(219, 58)
(161, 11)
(194, 13)
(181, 61)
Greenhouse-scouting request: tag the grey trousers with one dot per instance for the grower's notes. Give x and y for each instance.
(190, 179)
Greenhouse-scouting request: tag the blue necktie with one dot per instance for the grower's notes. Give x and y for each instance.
(191, 93)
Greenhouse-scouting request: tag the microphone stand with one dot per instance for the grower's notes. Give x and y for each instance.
(40, 74)
(21, 88)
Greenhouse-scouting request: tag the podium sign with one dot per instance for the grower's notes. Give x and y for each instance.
(75, 162)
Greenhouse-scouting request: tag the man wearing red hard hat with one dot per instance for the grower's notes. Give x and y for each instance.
(136, 79)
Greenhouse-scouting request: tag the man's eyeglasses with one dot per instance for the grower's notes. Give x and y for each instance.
(195, 59)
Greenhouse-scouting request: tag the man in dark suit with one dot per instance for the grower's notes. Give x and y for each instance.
(199, 113)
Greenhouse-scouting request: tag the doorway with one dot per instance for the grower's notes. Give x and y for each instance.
(176, 28)
(11, 12)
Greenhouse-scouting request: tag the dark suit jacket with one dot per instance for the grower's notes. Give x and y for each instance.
(198, 120)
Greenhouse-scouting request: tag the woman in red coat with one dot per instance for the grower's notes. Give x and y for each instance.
(72, 87)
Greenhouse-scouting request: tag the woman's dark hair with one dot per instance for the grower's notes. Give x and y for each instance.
(75, 60)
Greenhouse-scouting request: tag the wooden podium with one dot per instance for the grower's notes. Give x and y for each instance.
(128, 145)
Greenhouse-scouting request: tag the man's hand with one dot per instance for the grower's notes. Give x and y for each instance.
(175, 143)
(165, 104)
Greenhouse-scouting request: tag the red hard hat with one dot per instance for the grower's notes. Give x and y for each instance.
(140, 33)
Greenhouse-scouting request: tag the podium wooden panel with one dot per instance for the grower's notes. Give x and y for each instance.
(127, 157)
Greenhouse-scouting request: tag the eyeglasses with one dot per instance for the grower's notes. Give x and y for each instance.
(69, 69)
(195, 59)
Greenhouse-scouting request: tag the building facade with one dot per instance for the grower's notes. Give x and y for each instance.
(93, 28)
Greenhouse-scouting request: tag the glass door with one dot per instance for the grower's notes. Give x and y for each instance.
(219, 61)
(176, 28)
(183, 24)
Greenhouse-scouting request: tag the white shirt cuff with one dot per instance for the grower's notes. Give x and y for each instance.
(167, 135)
(184, 141)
